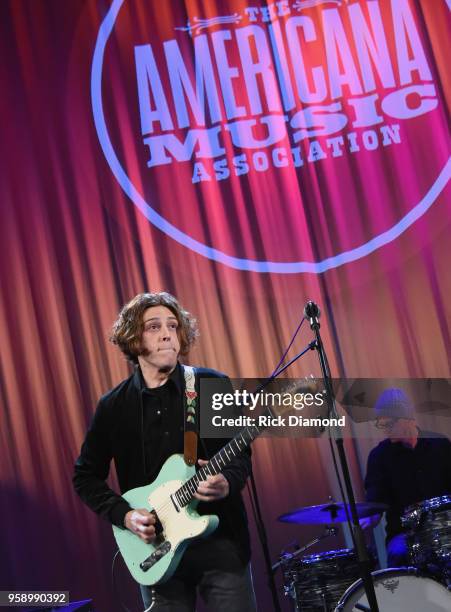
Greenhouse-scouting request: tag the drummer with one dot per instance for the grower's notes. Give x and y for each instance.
(407, 467)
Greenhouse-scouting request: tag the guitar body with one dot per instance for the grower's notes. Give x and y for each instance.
(153, 563)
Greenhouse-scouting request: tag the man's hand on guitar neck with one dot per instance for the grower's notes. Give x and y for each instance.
(212, 489)
(142, 523)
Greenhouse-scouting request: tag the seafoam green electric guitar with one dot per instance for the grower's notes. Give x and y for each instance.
(171, 498)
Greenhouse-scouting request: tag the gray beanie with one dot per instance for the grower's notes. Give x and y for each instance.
(394, 403)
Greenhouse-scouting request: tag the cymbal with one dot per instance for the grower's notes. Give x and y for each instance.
(430, 396)
(330, 513)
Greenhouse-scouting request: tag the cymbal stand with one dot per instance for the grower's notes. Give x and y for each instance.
(288, 557)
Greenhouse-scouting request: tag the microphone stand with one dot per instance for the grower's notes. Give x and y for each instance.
(312, 314)
(258, 513)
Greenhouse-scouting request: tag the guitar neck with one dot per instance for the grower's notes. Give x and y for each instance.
(217, 463)
(236, 446)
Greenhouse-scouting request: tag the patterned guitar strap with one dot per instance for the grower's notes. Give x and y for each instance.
(190, 403)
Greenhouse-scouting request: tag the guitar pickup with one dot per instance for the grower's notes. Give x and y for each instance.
(157, 554)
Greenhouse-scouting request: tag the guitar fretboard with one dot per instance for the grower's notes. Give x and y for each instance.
(217, 463)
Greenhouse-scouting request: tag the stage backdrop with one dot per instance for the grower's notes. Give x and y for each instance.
(245, 157)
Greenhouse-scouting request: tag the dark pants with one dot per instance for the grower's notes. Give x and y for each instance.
(397, 552)
(213, 569)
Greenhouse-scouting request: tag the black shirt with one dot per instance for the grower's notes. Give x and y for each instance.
(163, 423)
(399, 475)
(127, 429)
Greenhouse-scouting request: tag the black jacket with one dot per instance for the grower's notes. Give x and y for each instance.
(400, 476)
(116, 432)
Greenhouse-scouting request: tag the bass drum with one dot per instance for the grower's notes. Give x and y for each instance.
(398, 590)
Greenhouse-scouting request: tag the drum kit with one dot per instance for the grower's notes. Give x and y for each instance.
(329, 581)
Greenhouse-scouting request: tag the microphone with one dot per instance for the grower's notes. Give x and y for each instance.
(312, 313)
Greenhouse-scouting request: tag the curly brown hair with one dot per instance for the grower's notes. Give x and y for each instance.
(128, 329)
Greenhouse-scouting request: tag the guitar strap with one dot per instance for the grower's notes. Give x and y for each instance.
(190, 403)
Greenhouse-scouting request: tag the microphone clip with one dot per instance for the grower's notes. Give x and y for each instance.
(312, 313)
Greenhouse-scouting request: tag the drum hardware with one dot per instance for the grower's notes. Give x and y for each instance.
(330, 513)
(286, 561)
(316, 582)
(398, 590)
(330, 581)
(428, 534)
(286, 558)
(358, 397)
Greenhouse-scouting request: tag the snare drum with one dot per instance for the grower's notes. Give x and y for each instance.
(316, 582)
(428, 533)
(398, 590)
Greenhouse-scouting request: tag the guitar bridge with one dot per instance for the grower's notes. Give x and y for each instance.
(157, 554)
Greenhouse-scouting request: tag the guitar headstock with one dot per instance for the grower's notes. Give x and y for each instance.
(299, 396)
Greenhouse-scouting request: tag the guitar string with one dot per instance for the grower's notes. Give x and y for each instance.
(167, 503)
(251, 435)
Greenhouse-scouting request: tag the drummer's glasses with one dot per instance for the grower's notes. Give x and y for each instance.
(385, 423)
